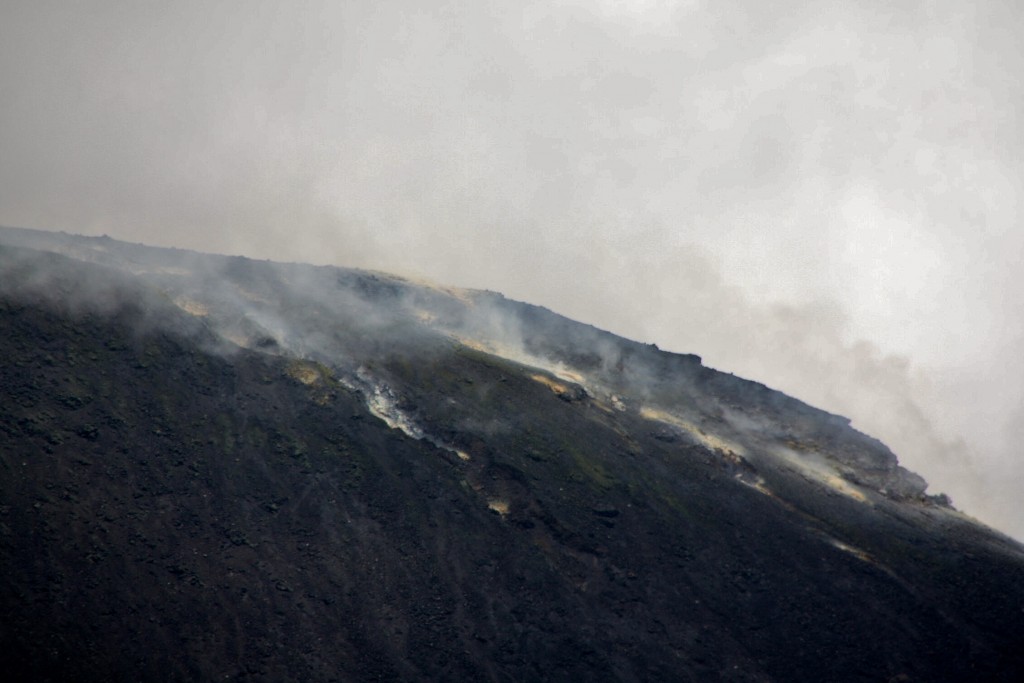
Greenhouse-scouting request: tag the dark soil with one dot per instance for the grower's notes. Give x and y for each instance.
(168, 512)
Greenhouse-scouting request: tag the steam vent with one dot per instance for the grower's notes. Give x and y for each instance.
(215, 468)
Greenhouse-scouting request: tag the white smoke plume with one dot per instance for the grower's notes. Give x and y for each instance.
(822, 198)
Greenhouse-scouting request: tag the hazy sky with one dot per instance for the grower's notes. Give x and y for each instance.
(822, 196)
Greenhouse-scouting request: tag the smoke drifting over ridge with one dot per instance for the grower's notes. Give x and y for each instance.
(822, 199)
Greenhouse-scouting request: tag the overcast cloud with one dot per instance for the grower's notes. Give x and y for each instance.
(820, 196)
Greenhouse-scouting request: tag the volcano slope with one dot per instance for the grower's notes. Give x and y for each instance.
(218, 468)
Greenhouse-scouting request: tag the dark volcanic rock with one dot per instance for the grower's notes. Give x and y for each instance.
(353, 495)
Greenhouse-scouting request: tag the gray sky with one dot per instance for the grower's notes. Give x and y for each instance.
(822, 196)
